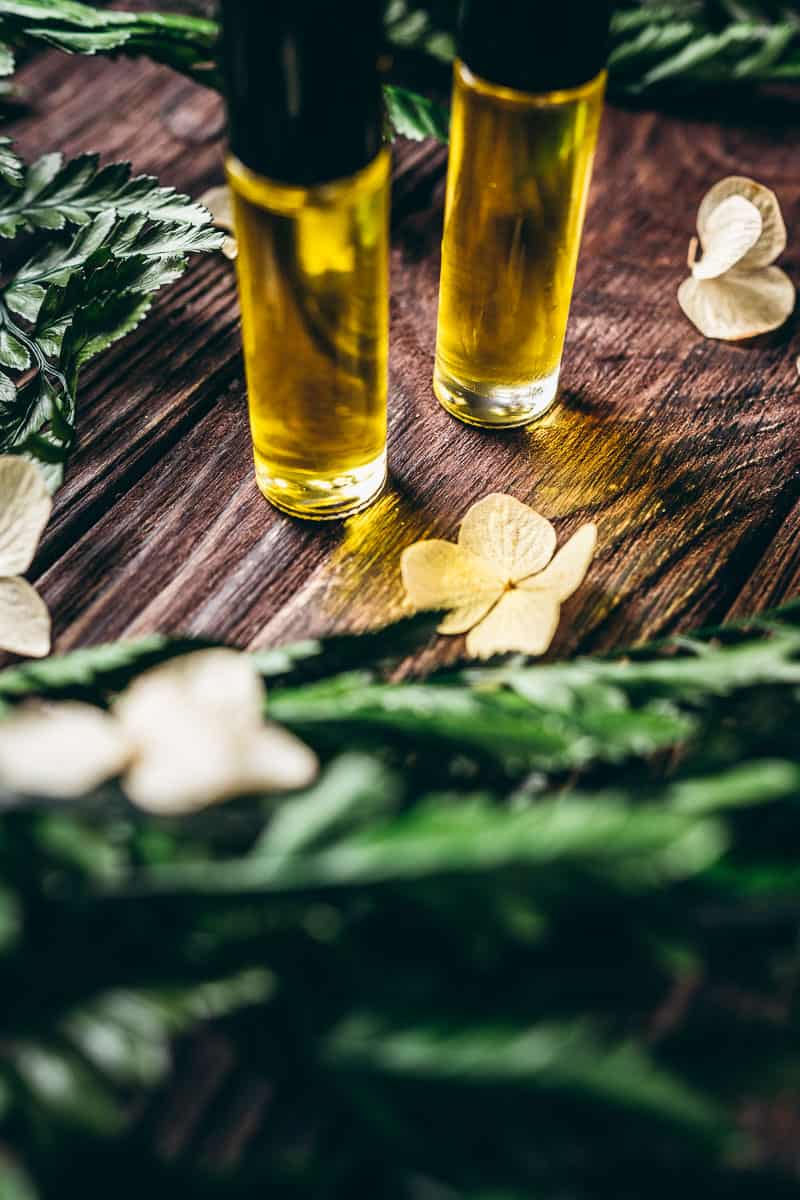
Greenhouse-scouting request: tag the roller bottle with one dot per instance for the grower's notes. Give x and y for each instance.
(310, 181)
(528, 93)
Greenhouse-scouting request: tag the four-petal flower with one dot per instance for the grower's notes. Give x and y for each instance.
(501, 581)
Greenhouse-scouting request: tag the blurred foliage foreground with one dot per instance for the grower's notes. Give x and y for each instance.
(533, 933)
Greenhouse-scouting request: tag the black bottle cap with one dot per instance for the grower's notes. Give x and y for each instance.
(535, 45)
(303, 87)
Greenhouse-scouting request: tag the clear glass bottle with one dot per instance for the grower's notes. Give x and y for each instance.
(527, 102)
(310, 182)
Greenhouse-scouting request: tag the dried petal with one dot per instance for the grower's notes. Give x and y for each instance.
(219, 202)
(741, 304)
(221, 683)
(60, 750)
(567, 571)
(187, 764)
(509, 535)
(732, 229)
(197, 724)
(772, 240)
(438, 574)
(523, 621)
(25, 506)
(277, 761)
(198, 761)
(24, 619)
(461, 620)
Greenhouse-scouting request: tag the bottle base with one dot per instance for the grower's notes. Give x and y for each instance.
(496, 407)
(313, 498)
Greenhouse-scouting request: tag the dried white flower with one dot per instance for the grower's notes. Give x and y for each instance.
(500, 580)
(25, 506)
(186, 734)
(734, 292)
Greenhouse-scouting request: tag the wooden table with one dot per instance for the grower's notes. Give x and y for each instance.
(685, 451)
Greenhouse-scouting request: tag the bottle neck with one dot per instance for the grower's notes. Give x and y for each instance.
(303, 87)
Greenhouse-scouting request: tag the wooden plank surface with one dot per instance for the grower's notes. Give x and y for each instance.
(684, 451)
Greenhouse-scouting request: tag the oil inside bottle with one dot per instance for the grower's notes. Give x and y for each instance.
(313, 285)
(518, 181)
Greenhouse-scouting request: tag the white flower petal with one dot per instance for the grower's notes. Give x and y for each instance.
(277, 761)
(741, 304)
(509, 535)
(461, 620)
(60, 750)
(523, 621)
(25, 506)
(567, 571)
(24, 619)
(438, 574)
(200, 762)
(219, 202)
(772, 240)
(192, 763)
(221, 683)
(197, 724)
(732, 229)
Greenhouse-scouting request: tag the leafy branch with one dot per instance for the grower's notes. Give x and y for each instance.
(79, 294)
(184, 42)
(495, 949)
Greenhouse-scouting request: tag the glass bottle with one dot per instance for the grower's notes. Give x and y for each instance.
(310, 181)
(527, 101)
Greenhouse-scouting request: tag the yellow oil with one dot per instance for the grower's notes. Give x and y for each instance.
(517, 186)
(313, 285)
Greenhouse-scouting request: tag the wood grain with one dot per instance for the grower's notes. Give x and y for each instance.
(684, 451)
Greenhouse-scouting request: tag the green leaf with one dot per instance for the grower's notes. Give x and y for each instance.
(66, 1089)
(633, 848)
(490, 721)
(353, 789)
(182, 41)
(78, 295)
(414, 116)
(54, 194)
(15, 1184)
(12, 169)
(550, 1058)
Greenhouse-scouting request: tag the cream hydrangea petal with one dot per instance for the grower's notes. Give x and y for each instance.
(732, 229)
(567, 571)
(741, 304)
(60, 750)
(509, 535)
(772, 240)
(197, 725)
(277, 761)
(438, 574)
(191, 763)
(25, 506)
(219, 202)
(24, 619)
(199, 762)
(222, 683)
(461, 620)
(230, 248)
(523, 621)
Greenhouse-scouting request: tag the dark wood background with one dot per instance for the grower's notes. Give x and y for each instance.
(684, 451)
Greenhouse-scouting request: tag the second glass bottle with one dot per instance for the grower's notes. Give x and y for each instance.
(527, 100)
